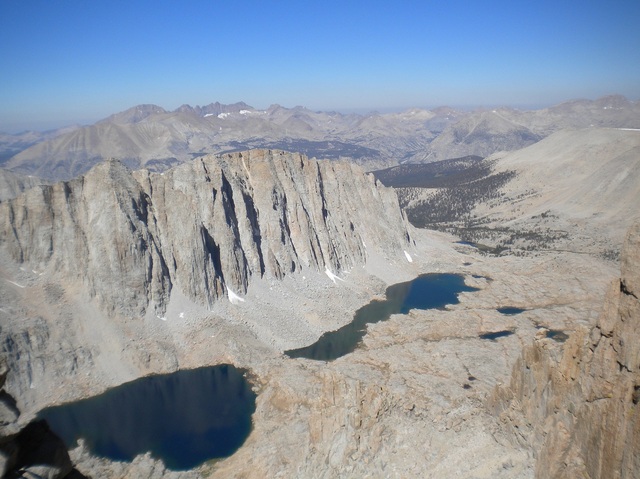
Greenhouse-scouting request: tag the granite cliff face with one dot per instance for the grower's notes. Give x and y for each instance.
(579, 408)
(206, 227)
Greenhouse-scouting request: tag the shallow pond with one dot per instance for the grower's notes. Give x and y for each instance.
(425, 292)
(184, 418)
(511, 311)
(495, 335)
(467, 243)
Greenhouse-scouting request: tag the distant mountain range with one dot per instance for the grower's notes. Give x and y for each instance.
(152, 137)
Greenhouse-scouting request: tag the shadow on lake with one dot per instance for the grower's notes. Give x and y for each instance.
(184, 418)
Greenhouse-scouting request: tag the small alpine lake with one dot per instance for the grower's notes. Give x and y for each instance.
(427, 291)
(510, 311)
(184, 418)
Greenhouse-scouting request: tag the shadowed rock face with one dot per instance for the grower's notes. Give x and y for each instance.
(206, 226)
(580, 408)
(29, 451)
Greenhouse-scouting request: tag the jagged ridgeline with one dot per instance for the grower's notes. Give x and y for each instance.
(205, 227)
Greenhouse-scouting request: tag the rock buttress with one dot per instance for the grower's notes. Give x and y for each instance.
(579, 409)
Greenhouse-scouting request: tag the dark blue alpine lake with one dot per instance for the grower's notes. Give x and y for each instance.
(427, 291)
(184, 418)
(510, 311)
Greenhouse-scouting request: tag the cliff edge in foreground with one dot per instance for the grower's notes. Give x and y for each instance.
(578, 409)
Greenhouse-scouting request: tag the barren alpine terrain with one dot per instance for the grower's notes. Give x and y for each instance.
(236, 258)
(333, 240)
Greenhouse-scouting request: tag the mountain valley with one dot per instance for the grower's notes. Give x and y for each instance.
(207, 242)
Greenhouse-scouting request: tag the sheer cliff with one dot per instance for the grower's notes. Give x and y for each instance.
(579, 408)
(206, 227)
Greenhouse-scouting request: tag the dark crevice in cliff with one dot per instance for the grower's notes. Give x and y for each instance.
(9, 403)
(318, 255)
(228, 204)
(606, 334)
(285, 231)
(167, 284)
(325, 213)
(307, 218)
(66, 190)
(624, 290)
(141, 208)
(623, 367)
(254, 221)
(12, 221)
(207, 178)
(231, 219)
(213, 251)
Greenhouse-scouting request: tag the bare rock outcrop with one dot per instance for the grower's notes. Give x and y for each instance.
(207, 226)
(579, 408)
(93, 229)
(29, 451)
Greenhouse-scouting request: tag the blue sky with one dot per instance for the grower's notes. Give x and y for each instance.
(78, 61)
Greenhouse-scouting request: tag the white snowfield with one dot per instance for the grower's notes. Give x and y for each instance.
(408, 256)
(14, 283)
(332, 276)
(233, 297)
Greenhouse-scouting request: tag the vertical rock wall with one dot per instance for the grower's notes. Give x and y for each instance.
(206, 226)
(579, 409)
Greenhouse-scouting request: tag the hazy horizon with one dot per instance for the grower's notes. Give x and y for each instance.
(57, 124)
(77, 62)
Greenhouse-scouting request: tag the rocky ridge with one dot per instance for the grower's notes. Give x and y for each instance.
(485, 131)
(482, 134)
(578, 408)
(12, 144)
(32, 450)
(206, 227)
(151, 137)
